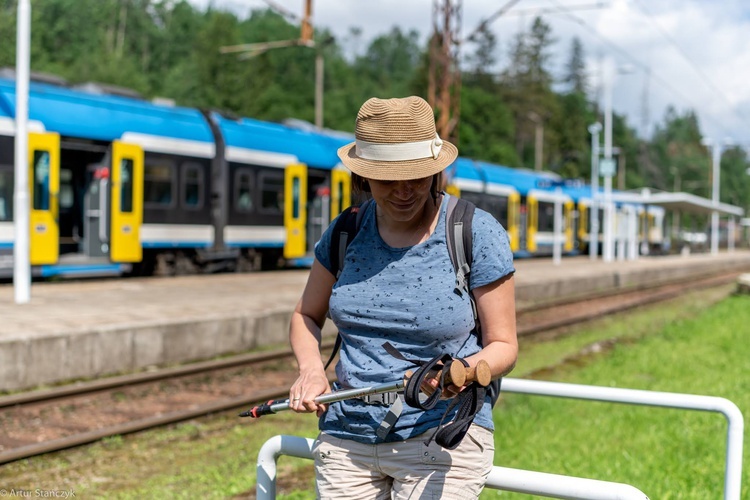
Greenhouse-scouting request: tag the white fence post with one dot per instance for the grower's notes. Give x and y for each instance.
(266, 468)
(557, 486)
(553, 485)
(521, 481)
(733, 471)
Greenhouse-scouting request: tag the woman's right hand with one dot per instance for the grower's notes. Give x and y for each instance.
(308, 386)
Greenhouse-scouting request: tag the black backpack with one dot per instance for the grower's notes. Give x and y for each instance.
(458, 218)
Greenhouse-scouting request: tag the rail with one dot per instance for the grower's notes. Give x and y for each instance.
(501, 478)
(733, 470)
(551, 485)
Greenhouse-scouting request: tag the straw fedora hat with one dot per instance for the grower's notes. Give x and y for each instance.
(395, 140)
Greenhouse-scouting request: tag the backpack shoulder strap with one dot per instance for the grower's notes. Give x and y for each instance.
(458, 218)
(346, 228)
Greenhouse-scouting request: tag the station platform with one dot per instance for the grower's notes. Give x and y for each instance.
(84, 329)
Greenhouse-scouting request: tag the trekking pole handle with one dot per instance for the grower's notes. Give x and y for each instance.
(480, 373)
(459, 375)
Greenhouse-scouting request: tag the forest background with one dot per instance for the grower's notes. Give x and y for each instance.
(168, 48)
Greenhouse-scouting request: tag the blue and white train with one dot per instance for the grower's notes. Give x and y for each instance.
(121, 185)
(524, 202)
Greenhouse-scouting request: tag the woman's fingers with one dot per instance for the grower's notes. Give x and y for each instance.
(305, 389)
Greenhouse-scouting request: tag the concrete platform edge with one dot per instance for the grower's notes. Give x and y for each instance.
(115, 349)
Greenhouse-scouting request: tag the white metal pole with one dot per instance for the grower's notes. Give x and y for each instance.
(715, 197)
(557, 243)
(319, 75)
(633, 235)
(558, 486)
(501, 478)
(266, 469)
(735, 420)
(730, 234)
(608, 248)
(594, 130)
(21, 257)
(621, 232)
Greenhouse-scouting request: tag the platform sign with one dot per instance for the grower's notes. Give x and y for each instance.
(607, 167)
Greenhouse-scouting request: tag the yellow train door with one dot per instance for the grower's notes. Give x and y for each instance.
(44, 187)
(453, 190)
(126, 203)
(532, 224)
(514, 217)
(295, 210)
(569, 229)
(583, 223)
(341, 191)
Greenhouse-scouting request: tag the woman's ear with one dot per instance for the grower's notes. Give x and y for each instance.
(435, 187)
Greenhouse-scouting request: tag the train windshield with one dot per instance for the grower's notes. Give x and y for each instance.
(6, 195)
(546, 216)
(126, 185)
(41, 180)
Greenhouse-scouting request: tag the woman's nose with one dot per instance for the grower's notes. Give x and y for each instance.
(404, 188)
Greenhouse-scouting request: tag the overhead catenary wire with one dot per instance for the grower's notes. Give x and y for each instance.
(632, 59)
(485, 22)
(691, 62)
(288, 14)
(557, 10)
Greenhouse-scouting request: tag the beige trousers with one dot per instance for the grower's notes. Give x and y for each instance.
(346, 469)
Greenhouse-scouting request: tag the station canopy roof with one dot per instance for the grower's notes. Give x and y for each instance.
(681, 202)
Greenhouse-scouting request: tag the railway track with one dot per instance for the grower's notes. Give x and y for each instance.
(43, 421)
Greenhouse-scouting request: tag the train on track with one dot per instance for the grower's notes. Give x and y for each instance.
(123, 185)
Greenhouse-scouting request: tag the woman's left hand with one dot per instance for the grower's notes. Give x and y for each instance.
(430, 385)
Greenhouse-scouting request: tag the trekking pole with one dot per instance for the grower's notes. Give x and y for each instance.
(480, 373)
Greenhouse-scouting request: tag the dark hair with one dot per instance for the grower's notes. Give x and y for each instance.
(361, 187)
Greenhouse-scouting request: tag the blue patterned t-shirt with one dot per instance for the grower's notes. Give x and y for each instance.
(404, 296)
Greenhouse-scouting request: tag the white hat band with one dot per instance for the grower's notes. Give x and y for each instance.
(400, 151)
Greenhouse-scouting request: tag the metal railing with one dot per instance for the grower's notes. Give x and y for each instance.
(551, 485)
(501, 478)
(733, 470)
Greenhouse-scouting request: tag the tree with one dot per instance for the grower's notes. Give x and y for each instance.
(539, 41)
(7, 33)
(220, 82)
(526, 85)
(483, 59)
(170, 49)
(572, 125)
(387, 67)
(486, 128)
(735, 181)
(575, 71)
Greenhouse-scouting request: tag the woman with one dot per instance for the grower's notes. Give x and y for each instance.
(397, 286)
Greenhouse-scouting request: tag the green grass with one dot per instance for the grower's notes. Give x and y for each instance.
(666, 453)
(686, 345)
(210, 458)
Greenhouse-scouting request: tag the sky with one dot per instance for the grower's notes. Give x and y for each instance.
(690, 54)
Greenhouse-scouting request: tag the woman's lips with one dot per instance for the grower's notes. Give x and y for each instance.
(403, 205)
